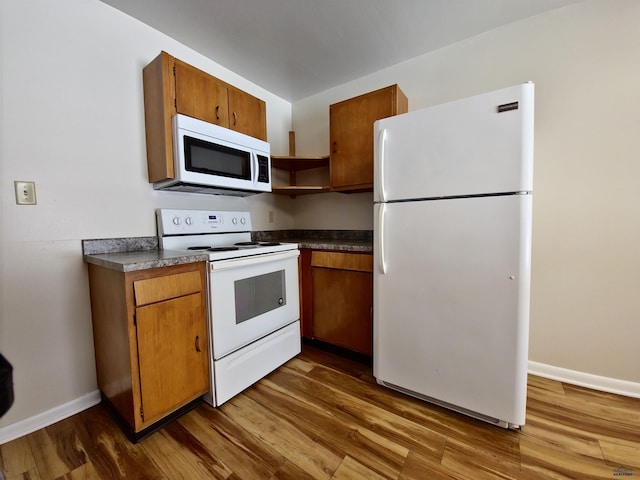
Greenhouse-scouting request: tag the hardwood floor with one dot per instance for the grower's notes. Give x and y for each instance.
(323, 416)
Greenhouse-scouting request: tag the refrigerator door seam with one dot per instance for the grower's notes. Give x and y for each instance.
(453, 197)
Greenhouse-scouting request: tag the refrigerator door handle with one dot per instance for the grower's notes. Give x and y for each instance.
(382, 140)
(382, 264)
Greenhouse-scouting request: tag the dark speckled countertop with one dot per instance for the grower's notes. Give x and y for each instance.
(137, 253)
(140, 253)
(339, 240)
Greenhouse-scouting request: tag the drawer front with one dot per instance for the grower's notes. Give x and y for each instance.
(343, 261)
(166, 287)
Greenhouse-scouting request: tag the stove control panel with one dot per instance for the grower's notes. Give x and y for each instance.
(192, 222)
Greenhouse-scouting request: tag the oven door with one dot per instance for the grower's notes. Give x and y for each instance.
(251, 297)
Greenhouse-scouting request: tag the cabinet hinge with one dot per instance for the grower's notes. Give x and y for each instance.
(142, 413)
(135, 320)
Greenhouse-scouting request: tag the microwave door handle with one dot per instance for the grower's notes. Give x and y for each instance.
(255, 169)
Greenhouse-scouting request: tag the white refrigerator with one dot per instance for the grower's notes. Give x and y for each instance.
(452, 248)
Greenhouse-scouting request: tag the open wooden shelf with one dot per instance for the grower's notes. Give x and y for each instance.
(299, 189)
(294, 163)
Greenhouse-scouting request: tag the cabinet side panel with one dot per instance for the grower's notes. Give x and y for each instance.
(110, 337)
(158, 109)
(401, 102)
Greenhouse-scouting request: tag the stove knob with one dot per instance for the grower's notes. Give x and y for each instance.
(188, 221)
(234, 221)
(242, 220)
(176, 221)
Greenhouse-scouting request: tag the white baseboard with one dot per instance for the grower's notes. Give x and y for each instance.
(44, 419)
(596, 382)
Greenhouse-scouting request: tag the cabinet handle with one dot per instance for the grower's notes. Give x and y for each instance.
(198, 343)
(217, 112)
(235, 119)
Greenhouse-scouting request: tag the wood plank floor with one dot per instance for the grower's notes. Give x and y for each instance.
(322, 416)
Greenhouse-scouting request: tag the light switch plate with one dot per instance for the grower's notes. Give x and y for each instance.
(25, 192)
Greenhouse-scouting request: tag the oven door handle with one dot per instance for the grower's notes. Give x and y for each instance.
(252, 260)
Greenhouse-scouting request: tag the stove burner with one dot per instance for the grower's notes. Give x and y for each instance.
(222, 249)
(270, 244)
(247, 244)
(198, 247)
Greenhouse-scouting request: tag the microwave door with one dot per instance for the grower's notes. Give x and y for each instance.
(213, 157)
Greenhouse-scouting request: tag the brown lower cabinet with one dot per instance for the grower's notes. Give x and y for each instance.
(150, 337)
(338, 299)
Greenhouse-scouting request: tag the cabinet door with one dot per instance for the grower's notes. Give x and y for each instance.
(200, 95)
(247, 114)
(342, 300)
(351, 135)
(172, 354)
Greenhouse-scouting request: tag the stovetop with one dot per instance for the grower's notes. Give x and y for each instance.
(220, 234)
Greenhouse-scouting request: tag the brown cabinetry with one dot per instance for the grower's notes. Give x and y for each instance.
(351, 136)
(150, 337)
(172, 86)
(337, 289)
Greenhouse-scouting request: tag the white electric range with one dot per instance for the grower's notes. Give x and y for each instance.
(253, 295)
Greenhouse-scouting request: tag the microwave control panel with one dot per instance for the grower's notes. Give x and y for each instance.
(263, 169)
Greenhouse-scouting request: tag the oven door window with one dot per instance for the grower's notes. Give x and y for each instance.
(213, 159)
(260, 294)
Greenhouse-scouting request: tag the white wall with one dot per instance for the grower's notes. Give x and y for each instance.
(586, 234)
(73, 122)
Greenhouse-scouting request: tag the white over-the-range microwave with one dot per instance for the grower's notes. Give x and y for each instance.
(216, 160)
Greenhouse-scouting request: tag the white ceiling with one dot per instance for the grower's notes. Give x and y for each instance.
(296, 48)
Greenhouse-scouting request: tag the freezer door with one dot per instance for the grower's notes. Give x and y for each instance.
(451, 301)
(477, 145)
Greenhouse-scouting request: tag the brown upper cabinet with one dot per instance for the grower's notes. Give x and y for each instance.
(351, 136)
(172, 86)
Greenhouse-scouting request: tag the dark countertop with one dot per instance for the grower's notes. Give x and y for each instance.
(141, 253)
(338, 240)
(337, 245)
(136, 253)
(143, 259)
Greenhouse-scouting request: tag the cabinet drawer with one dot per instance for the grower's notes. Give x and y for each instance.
(157, 289)
(343, 261)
